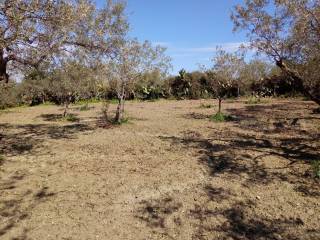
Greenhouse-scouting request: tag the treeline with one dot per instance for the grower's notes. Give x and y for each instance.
(76, 82)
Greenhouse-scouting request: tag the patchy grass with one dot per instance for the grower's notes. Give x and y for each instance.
(1, 160)
(84, 107)
(221, 117)
(59, 117)
(70, 118)
(13, 109)
(256, 100)
(47, 103)
(124, 120)
(88, 101)
(175, 177)
(316, 168)
(206, 105)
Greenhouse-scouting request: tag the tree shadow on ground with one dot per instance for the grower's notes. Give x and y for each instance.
(157, 213)
(242, 149)
(255, 157)
(16, 204)
(197, 116)
(25, 139)
(71, 117)
(275, 119)
(229, 220)
(241, 222)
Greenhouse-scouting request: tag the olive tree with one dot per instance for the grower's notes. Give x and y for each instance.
(36, 31)
(70, 82)
(288, 31)
(253, 73)
(132, 61)
(225, 74)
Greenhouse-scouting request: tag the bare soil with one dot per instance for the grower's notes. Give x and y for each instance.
(169, 173)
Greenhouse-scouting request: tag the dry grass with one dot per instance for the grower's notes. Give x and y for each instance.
(171, 173)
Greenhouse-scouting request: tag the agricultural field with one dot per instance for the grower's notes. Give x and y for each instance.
(168, 172)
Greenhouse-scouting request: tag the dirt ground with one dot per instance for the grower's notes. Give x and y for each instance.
(169, 173)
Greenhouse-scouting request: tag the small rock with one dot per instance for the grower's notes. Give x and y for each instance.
(277, 236)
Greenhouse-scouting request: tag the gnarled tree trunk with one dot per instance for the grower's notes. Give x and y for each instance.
(3, 68)
(120, 107)
(220, 101)
(297, 81)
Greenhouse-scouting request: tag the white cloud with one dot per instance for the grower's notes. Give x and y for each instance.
(190, 51)
(231, 46)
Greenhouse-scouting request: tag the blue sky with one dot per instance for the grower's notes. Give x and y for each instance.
(190, 29)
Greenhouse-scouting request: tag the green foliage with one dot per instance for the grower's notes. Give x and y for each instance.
(220, 117)
(47, 103)
(253, 100)
(316, 168)
(149, 86)
(71, 118)
(1, 159)
(113, 101)
(63, 85)
(124, 120)
(8, 95)
(192, 85)
(87, 101)
(84, 107)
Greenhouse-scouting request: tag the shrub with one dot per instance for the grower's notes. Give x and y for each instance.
(316, 168)
(71, 118)
(123, 121)
(8, 95)
(220, 117)
(253, 100)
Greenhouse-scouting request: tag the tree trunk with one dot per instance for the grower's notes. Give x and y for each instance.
(297, 81)
(3, 68)
(119, 113)
(120, 107)
(66, 107)
(219, 110)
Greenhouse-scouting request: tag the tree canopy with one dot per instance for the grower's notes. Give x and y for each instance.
(37, 31)
(288, 31)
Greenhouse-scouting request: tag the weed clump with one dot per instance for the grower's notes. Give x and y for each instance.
(84, 107)
(204, 105)
(70, 118)
(220, 117)
(316, 168)
(254, 100)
